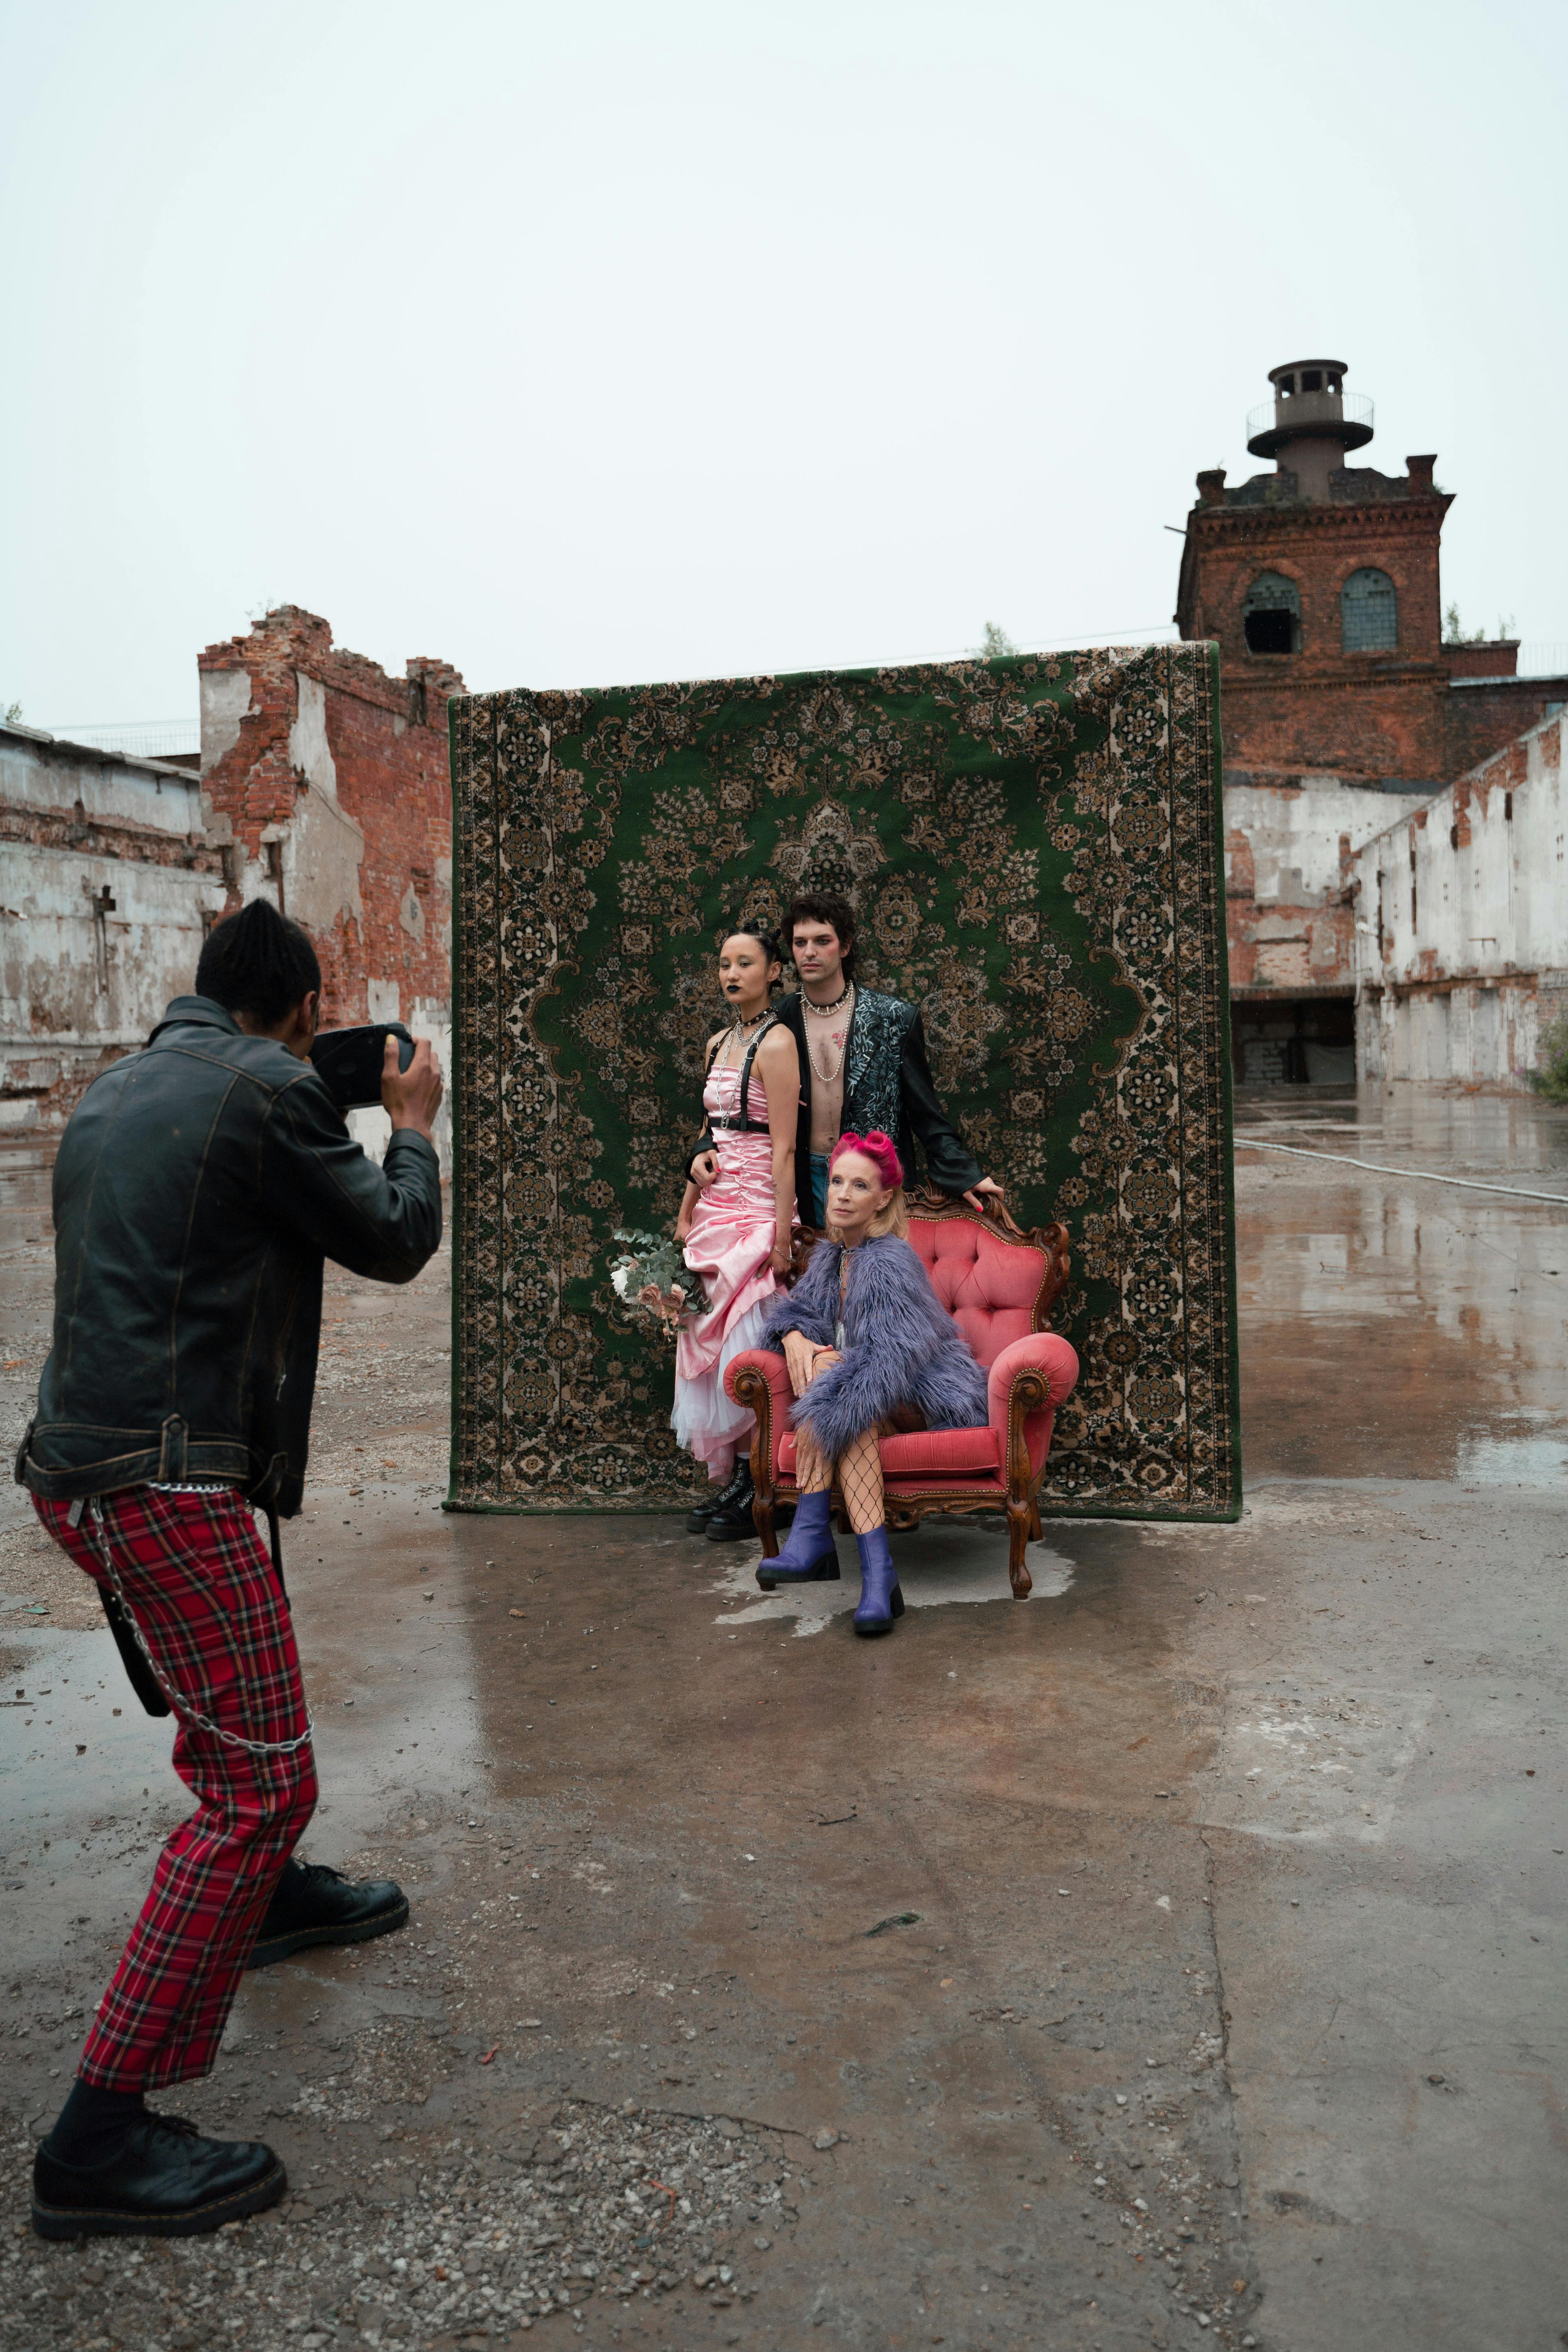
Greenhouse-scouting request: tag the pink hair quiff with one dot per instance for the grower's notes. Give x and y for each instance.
(879, 1148)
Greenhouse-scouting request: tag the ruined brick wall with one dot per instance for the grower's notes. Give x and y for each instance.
(1289, 855)
(330, 781)
(1486, 717)
(1462, 922)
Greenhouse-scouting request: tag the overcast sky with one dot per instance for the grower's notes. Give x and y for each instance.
(607, 340)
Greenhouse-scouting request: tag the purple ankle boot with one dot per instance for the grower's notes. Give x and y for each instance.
(880, 1600)
(808, 1556)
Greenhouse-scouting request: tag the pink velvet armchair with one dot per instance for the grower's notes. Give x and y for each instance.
(999, 1284)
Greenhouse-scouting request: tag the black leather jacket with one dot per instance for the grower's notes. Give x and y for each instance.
(198, 1190)
(887, 1084)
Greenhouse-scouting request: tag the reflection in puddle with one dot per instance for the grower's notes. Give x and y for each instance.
(938, 1566)
(1394, 1330)
(1532, 1457)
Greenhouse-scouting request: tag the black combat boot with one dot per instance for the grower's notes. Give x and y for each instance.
(719, 1498)
(312, 1905)
(733, 1520)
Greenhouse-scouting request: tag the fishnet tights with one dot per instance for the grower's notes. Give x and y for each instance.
(859, 1469)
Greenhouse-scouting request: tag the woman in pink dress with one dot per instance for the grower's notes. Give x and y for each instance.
(735, 1223)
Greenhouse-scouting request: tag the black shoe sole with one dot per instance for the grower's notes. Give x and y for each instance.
(733, 1531)
(824, 1573)
(191, 2222)
(697, 1522)
(870, 1633)
(357, 1931)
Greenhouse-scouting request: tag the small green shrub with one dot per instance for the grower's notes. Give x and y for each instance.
(1550, 1076)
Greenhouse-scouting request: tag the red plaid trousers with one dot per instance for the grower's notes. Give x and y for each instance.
(202, 1588)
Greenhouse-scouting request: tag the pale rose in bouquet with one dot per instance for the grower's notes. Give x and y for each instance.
(652, 1276)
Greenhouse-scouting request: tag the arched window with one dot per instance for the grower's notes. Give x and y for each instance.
(1369, 614)
(1271, 615)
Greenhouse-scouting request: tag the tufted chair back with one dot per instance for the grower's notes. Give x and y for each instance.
(991, 1287)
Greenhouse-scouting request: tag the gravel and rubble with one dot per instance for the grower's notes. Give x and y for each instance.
(434, 2238)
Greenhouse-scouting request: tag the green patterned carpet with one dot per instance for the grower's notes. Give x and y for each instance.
(1033, 847)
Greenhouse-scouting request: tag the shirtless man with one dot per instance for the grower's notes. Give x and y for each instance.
(863, 1064)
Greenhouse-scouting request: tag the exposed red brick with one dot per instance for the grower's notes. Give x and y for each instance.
(387, 739)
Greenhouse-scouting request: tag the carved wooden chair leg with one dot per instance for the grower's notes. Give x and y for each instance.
(1036, 1530)
(1018, 1518)
(763, 1499)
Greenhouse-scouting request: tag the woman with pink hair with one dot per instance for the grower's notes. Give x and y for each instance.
(865, 1337)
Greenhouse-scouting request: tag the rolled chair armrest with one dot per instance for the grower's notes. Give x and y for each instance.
(760, 1379)
(1025, 1386)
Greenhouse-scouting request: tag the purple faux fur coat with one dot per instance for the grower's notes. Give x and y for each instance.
(901, 1346)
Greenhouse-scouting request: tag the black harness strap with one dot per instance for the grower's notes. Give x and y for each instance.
(741, 1122)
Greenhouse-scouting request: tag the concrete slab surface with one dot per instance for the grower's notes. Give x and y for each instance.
(1177, 1957)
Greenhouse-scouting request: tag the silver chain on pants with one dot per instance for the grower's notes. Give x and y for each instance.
(182, 1707)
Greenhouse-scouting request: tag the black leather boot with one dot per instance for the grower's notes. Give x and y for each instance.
(719, 1498)
(166, 2182)
(733, 1520)
(313, 1905)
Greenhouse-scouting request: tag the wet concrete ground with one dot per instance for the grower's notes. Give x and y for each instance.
(1175, 1956)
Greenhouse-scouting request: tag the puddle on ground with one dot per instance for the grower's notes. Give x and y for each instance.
(938, 1566)
(1533, 1455)
(1394, 1330)
(76, 1735)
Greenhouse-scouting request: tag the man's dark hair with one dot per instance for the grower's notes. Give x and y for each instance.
(257, 962)
(824, 907)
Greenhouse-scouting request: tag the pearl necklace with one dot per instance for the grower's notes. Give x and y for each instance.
(823, 1013)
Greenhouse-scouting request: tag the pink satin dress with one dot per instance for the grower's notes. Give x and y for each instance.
(731, 1244)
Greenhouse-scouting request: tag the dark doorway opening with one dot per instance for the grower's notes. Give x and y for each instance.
(1293, 1041)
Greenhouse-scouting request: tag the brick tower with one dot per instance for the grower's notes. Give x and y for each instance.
(1319, 580)
(1341, 706)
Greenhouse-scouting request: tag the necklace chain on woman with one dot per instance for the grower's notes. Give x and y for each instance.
(737, 1037)
(823, 1012)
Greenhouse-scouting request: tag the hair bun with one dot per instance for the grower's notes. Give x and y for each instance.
(879, 1149)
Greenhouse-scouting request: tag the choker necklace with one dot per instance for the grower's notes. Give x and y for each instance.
(737, 1037)
(828, 1077)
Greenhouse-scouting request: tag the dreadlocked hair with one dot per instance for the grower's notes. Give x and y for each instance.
(257, 962)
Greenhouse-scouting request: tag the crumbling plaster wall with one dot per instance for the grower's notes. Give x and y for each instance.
(1462, 923)
(1287, 872)
(110, 884)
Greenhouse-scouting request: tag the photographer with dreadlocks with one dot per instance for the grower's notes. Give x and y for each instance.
(199, 1186)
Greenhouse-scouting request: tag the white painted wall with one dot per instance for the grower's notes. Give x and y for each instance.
(1459, 986)
(1294, 835)
(58, 779)
(77, 986)
(225, 701)
(309, 748)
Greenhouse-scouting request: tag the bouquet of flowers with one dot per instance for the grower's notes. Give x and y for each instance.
(652, 1275)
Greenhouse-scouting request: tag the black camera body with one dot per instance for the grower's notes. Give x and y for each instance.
(350, 1062)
